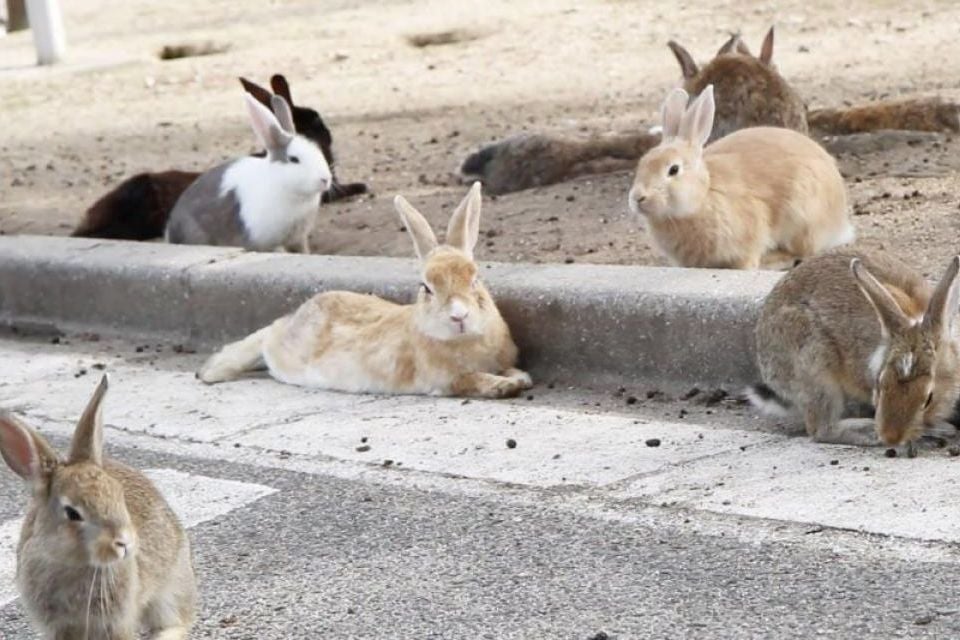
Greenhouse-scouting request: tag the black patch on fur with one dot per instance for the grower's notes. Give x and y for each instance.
(954, 418)
(767, 394)
(476, 163)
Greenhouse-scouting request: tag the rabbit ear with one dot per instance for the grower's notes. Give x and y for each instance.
(943, 303)
(697, 123)
(892, 318)
(424, 240)
(265, 126)
(87, 444)
(280, 87)
(688, 67)
(733, 44)
(262, 95)
(672, 113)
(284, 116)
(24, 450)
(766, 49)
(464, 227)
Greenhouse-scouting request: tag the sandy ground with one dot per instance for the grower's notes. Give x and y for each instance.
(404, 117)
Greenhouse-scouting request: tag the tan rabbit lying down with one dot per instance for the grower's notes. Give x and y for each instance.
(451, 341)
(101, 554)
(861, 326)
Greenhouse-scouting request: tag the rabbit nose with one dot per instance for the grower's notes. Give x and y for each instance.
(459, 315)
(639, 198)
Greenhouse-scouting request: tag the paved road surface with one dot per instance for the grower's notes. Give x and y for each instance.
(319, 515)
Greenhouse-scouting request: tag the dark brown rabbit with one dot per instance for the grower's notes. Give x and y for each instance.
(750, 91)
(138, 208)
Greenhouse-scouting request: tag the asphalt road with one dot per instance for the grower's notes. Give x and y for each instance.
(453, 540)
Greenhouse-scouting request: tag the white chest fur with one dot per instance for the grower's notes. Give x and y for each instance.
(272, 203)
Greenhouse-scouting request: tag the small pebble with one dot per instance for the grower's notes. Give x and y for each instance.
(363, 448)
(511, 443)
(890, 453)
(834, 462)
(653, 442)
(631, 399)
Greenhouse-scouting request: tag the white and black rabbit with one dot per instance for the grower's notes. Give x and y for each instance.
(256, 202)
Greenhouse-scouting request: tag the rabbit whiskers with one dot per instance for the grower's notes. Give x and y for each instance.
(93, 580)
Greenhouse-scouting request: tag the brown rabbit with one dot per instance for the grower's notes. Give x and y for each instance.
(138, 208)
(750, 91)
(101, 554)
(861, 326)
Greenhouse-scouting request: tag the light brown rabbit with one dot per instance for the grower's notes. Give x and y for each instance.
(452, 341)
(101, 554)
(749, 90)
(861, 326)
(763, 196)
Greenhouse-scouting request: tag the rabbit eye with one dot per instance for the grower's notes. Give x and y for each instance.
(673, 170)
(72, 514)
(294, 159)
(929, 400)
(427, 290)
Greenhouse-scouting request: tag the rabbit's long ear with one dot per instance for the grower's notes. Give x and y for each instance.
(424, 240)
(464, 227)
(281, 87)
(697, 123)
(766, 49)
(266, 126)
(284, 115)
(735, 43)
(892, 318)
(942, 310)
(672, 113)
(262, 95)
(24, 450)
(87, 444)
(688, 67)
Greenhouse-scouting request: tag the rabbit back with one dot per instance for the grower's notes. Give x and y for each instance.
(206, 214)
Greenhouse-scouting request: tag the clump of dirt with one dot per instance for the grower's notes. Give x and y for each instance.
(438, 38)
(191, 50)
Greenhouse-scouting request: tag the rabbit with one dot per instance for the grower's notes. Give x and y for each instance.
(251, 202)
(309, 124)
(861, 326)
(139, 207)
(451, 341)
(101, 554)
(750, 92)
(763, 196)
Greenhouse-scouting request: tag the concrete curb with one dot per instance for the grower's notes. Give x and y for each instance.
(578, 324)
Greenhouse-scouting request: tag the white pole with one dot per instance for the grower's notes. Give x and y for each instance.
(46, 21)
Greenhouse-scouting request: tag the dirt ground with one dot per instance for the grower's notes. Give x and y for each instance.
(404, 117)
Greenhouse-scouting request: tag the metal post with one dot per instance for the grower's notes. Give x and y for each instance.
(16, 16)
(46, 21)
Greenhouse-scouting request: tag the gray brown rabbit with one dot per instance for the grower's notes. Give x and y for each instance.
(860, 326)
(101, 554)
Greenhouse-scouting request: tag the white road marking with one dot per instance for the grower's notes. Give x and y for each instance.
(196, 499)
